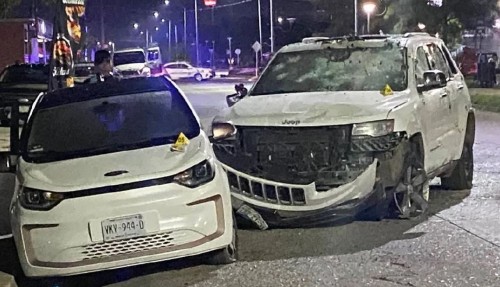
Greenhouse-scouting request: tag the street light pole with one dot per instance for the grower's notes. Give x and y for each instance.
(102, 22)
(185, 30)
(355, 17)
(197, 36)
(272, 25)
(230, 49)
(260, 26)
(169, 39)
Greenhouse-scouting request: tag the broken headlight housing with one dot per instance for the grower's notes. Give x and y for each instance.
(373, 129)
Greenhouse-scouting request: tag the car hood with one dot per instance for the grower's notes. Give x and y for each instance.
(21, 90)
(89, 172)
(313, 109)
(134, 67)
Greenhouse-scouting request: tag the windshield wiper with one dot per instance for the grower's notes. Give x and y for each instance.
(277, 92)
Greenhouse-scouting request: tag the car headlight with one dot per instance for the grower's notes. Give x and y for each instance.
(197, 175)
(39, 199)
(146, 71)
(223, 130)
(374, 129)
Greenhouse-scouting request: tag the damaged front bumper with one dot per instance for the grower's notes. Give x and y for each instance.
(286, 205)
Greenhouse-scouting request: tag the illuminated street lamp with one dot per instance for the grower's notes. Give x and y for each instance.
(156, 14)
(136, 26)
(421, 26)
(167, 2)
(369, 8)
(280, 20)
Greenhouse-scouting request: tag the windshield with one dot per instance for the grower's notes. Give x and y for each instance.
(128, 58)
(356, 69)
(108, 125)
(84, 71)
(25, 74)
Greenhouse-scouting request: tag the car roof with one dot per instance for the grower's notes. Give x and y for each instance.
(103, 90)
(28, 66)
(129, 50)
(317, 43)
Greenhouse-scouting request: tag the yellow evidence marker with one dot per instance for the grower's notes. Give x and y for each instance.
(181, 143)
(387, 91)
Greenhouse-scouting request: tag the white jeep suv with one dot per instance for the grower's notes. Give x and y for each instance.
(348, 127)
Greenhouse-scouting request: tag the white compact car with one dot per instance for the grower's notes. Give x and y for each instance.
(183, 70)
(131, 63)
(348, 127)
(125, 177)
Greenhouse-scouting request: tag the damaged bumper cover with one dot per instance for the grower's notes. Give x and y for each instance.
(288, 205)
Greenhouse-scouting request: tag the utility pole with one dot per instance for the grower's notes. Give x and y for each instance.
(355, 17)
(103, 38)
(197, 36)
(185, 30)
(260, 27)
(272, 25)
(169, 39)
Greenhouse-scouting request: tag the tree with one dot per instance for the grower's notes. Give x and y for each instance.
(448, 19)
(6, 6)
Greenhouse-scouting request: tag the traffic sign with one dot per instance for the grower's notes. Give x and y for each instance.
(210, 3)
(256, 46)
(237, 51)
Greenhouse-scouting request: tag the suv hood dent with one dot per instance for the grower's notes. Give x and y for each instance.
(314, 109)
(89, 172)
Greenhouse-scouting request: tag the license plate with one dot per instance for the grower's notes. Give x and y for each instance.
(123, 227)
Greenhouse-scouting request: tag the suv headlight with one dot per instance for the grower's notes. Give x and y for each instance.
(223, 130)
(197, 175)
(39, 199)
(374, 129)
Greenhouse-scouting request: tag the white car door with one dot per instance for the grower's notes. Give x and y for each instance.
(173, 71)
(187, 70)
(431, 106)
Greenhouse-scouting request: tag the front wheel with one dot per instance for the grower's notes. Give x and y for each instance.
(411, 195)
(228, 254)
(198, 77)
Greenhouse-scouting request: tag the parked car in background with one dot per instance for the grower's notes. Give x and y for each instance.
(126, 177)
(131, 63)
(22, 83)
(184, 70)
(348, 127)
(83, 71)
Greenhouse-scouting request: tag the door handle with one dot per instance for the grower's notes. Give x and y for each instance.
(461, 87)
(444, 95)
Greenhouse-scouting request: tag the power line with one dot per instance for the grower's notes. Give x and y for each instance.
(224, 6)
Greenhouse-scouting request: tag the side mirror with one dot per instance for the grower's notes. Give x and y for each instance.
(432, 80)
(231, 100)
(6, 165)
(241, 92)
(221, 131)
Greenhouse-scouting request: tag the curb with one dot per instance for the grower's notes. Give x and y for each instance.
(7, 280)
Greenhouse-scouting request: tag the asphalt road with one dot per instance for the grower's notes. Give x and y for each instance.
(458, 245)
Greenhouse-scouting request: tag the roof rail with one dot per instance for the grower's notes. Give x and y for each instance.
(413, 34)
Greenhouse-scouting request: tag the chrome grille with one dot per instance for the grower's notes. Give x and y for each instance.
(134, 245)
(270, 193)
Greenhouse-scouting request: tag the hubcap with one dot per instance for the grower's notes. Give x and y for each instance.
(412, 194)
